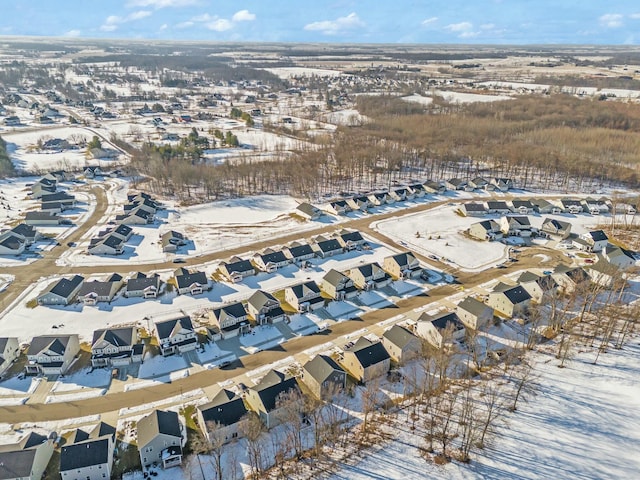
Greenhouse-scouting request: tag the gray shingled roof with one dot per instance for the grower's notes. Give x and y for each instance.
(157, 422)
(84, 454)
(54, 343)
(399, 336)
(166, 327)
(118, 337)
(368, 353)
(321, 367)
(226, 408)
(64, 286)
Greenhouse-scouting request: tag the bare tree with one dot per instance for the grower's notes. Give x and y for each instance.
(492, 398)
(217, 440)
(291, 414)
(252, 429)
(522, 376)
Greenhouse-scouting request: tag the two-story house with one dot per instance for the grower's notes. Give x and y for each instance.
(369, 276)
(304, 297)
(116, 347)
(51, 354)
(161, 437)
(176, 335)
(231, 319)
(263, 308)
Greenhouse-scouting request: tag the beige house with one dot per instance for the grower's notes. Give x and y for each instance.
(441, 329)
(366, 360)
(402, 266)
(401, 344)
(264, 397)
(26, 459)
(323, 376)
(161, 436)
(473, 313)
(369, 276)
(9, 351)
(510, 302)
(220, 420)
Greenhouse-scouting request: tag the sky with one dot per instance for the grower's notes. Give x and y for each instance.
(615, 22)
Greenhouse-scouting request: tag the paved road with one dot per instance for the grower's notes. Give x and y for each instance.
(115, 401)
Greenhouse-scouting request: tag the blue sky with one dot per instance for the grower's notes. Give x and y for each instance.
(332, 21)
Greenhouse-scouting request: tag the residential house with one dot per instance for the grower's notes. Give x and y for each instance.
(41, 218)
(190, 282)
(338, 286)
(435, 187)
(366, 359)
(594, 207)
(474, 209)
(604, 273)
(87, 460)
(538, 285)
(161, 437)
(51, 354)
(12, 121)
(516, 225)
(9, 352)
(221, 419)
(401, 194)
(478, 183)
(593, 241)
(116, 347)
(569, 278)
(498, 206)
(231, 319)
(137, 216)
(304, 297)
(556, 229)
(358, 203)
(107, 245)
(308, 211)
(543, 206)
(91, 293)
(455, 184)
(68, 201)
(323, 377)
(523, 207)
(270, 260)
(263, 308)
(176, 335)
(326, 247)
(29, 234)
(28, 458)
(141, 285)
(510, 302)
(264, 397)
(52, 208)
(299, 253)
(473, 313)
(486, 230)
(402, 266)
(338, 207)
(94, 171)
(61, 292)
(401, 344)
(618, 256)
(418, 190)
(41, 188)
(379, 199)
(570, 205)
(350, 240)
(171, 240)
(11, 243)
(440, 329)
(369, 276)
(236, 269)
(502, 184)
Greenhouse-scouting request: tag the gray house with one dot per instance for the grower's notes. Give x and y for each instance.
(264, 308)
(192, 283)
(91, 293)
(323, 376)
(236, 269)
(116, 346)
(161, 437)
(51, 354)
(26, 459)
(264, 396)
(220, 420)
(62, 292)
(176, 335)
(401, 344)
(87, 460)
(141, 285)
(9, 352)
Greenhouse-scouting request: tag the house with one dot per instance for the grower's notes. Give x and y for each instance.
(366, 360)
(176, 335)
(9, 352)
(263, 308)
(190, 282)
(523, 207)
(28, 458)
(594, 207)
(231, 319)
(107, 245)
(361, 203)
(220, 420)
(91, 293)
(263, 398)
(473, 313)
(455, 184)
(12, 121)
(100, 430)
(141, 285)
(270, 260)
(29, 234)
(308, 211)
(137, 216)
(440, 329)
(401, 344)
(171, 240)
(500, 207)
(618, 256)
(11, 243)
(327, 247)
(62, 292)
(401, 194)
(434, 187)
(478, 183)
(516, 225)
(338, 207)
(543, 206)
(38, 189)
(570, 205)
(538, 285)
(51, 354)
(142, 203)
(68, 201)
(510, 302)
(486, 230)
(161, 437)
(593, 241)
(350, 240)
(41, 218)
(418, 190)
(556, 229)
(402, 266)
(338, 286)
(299, 253)
(116, 347)
(474, 209)
(323, 377)
(569, 278)
(94, 171)
(378, 199)
(604, 273)
(123, 232)
(502, 184)
(304, 297)
(236, 269)
(52, 208)
(369, 276)
(87, 460)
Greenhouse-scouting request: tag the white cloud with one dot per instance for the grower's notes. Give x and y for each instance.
(72, 33)
(341, 24)
(185, 25)
(205, 17)
(459, 27)
(161, 3)
(635, 16)
(108, 27)
(611, 20)
(163, 27)
(114, 21)
(138, 15)
(220, 25)
(429, 21)
(243, 16)
(487, 26)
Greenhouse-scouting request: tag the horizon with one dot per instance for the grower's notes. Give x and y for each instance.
(404, 22)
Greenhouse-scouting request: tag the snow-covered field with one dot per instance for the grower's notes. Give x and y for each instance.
(455, 97)
(290, 72)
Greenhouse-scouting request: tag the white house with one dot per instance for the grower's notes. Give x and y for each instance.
(51, 354)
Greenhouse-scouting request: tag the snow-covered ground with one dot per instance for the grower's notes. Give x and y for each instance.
(290, 72)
